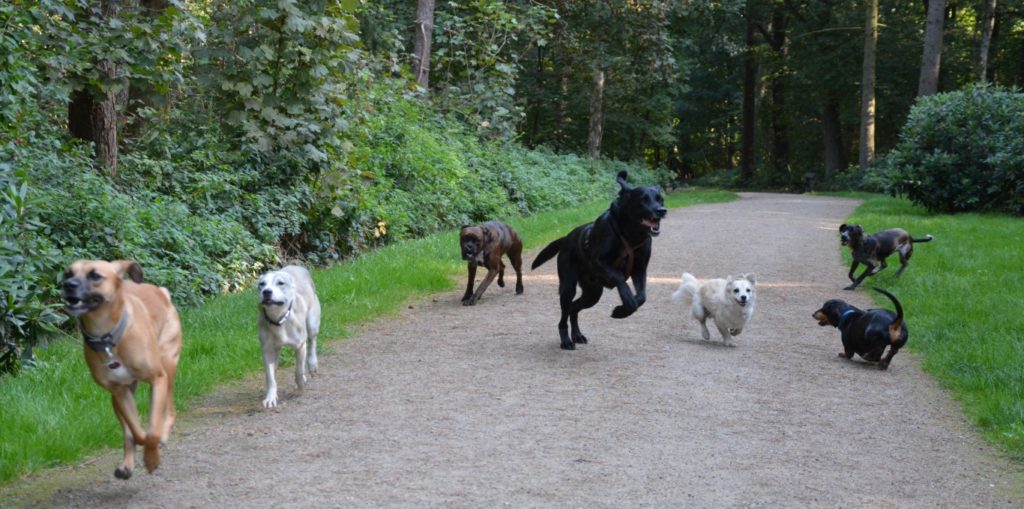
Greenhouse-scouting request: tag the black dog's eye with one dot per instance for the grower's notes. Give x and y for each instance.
(94, 276)
(735, 290)
(262, 284)
(280, 283)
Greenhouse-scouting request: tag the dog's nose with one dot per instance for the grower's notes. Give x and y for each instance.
(267, 292)
(72, 283)
(662, 212)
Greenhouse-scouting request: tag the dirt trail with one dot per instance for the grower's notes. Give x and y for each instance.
(447, 406)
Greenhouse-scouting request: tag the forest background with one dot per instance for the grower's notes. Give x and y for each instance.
(212, 139)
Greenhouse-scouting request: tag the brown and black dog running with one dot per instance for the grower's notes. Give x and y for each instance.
(132, 333)
(866, 332)
(872, 250)
(483, 245)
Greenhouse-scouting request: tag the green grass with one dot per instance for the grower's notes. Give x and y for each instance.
(962, 294)
(55, 415)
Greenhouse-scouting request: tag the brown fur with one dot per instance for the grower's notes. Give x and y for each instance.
(148, 349)
(483, 245)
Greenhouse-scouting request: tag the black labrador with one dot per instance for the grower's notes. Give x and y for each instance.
(604, 254)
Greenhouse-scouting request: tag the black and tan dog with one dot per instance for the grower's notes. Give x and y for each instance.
(131, 333)
(604, 254)
(872, 250)
(866, 332)
(483, 245)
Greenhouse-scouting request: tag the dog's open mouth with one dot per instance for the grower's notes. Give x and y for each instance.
(653, 225)
(75, 306)
(268, 301)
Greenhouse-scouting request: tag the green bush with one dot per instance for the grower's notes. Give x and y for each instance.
(962, 151)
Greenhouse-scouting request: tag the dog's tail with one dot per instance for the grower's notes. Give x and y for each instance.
(547, 253)
(896, 327)
(927, 238)
(687, 289)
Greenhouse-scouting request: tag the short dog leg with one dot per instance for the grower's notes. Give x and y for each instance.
(300, 366)
(482, 288)
(516, 258)
(724, 331)
(501, 275)
(867, 272)
(128, 463)
(469, 285)
(270, 366)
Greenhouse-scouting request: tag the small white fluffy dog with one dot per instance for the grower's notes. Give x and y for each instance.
(289, 315)
(730, 302)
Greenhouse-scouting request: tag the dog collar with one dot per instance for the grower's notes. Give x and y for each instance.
(842, 318)
(107, 341)
(281, 321)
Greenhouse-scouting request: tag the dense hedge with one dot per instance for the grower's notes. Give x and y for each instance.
(202, 218)
(962, 151)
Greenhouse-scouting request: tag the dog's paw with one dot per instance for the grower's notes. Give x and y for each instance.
(519, 289)
(568, 346)
(151, 457)
(851, 287)
(469, 302)
(501, 283)
(579, 338)
(704, 333)
(622, 311)
(270, 401)
(883, 366)
(123, 473)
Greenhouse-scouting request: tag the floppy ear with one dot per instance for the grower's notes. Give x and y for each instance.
(621, 179)
(842, 227)
(130, 267)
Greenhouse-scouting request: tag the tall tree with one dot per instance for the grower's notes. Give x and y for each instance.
(422, 37)
(930, 59)
(596, 131)
(988, 23)
(867, 87)
(747, 131)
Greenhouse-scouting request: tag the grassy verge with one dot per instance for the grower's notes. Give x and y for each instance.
(55, 414)
(962, 295)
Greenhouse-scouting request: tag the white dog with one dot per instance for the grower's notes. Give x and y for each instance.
(730, 302)
(289, 315)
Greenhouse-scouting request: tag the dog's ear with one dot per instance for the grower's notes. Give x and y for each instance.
(842, 227)
(621, 179)
(130, 267)
(750, 277)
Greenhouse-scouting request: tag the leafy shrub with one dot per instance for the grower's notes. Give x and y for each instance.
(962, 151)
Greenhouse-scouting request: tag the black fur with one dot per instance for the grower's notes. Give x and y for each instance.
(604, 254)
(872, 250)
(866, 332)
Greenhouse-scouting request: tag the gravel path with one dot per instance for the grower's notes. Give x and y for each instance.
(447, 406)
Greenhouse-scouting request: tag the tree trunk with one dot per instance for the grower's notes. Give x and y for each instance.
(749, 98)
(596, 111)
(988, 23)
(867, 87)
(832, 134)
(424, 33)
(777, 88)
(930, 60)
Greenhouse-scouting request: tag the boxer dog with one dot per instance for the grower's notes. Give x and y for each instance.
(604, 254)
(482, 245)
(132, 333)
(289, 315)
(872, 250)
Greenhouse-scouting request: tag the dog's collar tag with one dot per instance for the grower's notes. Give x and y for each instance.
(107, 341)
(842, 317)
(280, 321)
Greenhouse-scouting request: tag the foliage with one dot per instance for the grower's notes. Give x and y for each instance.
(963, 151)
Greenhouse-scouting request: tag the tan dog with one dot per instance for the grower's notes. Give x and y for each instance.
(131, 333)
(482, 245)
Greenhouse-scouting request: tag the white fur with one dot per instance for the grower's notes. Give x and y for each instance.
(288, 288)
(729, 302)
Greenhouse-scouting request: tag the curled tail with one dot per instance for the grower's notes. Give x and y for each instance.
(688, 286)
(927, 238)
(547, 253)
(896, 327)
